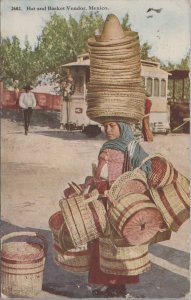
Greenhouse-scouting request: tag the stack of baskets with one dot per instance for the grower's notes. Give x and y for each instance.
(145, 210)
(74, 260)
(116, 89)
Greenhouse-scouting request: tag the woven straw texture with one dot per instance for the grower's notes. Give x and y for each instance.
(129, 182)
(183, 182)
(85, 219)
(173, 203)
(123, 260)
(115, 66)
(22, 266)
(136, 218)
(74, 260)
(60, 233)
(162, 172)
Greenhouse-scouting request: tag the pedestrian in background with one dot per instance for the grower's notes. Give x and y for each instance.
(27, 102)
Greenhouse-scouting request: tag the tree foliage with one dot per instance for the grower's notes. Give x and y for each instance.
(60, 42)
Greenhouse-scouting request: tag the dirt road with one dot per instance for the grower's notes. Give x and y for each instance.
(36, 169)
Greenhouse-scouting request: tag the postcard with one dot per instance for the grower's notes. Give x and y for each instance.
(95, 130)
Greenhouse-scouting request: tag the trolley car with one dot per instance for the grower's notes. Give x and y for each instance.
(73, 112)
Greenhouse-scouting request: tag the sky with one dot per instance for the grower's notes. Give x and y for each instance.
(168, 32)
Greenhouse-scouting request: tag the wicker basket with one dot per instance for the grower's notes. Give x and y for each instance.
(136, 218)
(22, 265)
(162, 172)
(128, 183)
(184, 182)
(84, 220)
(61, 235)
(173, 203)
(74, 260)
(123, 260)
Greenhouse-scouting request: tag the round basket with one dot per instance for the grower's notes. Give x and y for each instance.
(162, 172)
(22, 265)
(74, 260)
(130, 261)
(129, 182)
(84, 220)
(136, 218)
(173, 203)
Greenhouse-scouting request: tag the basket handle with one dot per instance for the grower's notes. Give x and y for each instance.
(26, 233)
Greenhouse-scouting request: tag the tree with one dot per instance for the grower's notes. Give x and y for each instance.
(17, 64)
(145, 48)
(61, 40)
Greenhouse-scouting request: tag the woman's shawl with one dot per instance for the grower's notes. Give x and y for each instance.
(121, 144)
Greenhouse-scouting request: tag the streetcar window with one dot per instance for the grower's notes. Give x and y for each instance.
(163, 87)
(156, 87)
(149, 86)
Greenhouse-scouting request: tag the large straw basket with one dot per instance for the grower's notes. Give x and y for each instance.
(173, 203)
(136, 218)
(132, 260)
(74, 260)
(22, 265)
(129, 182)
(84, 220)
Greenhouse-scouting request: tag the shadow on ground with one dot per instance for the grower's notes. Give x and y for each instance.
(158, 283)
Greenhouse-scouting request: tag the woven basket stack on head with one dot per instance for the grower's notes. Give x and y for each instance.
(116, 89)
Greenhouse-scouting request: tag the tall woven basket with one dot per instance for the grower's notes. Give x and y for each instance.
(84, 221)
(22, 265)
(173, 203)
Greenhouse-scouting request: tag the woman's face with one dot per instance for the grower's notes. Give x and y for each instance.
(112, 130)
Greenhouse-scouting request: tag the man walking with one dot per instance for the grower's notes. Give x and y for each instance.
(27, 101)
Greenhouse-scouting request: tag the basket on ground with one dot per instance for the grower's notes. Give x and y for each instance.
(22, 265)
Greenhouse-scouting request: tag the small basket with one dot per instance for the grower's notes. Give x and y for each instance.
(74, 260)
(130, 261)
(84, 221)
(22, 265)
(173, 203)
